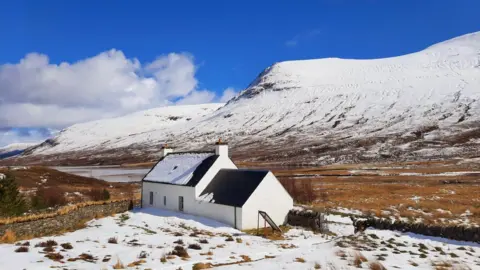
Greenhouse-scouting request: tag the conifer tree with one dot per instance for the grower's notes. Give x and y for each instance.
(11, 201)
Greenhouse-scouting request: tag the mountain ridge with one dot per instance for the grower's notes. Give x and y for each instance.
(419, 105)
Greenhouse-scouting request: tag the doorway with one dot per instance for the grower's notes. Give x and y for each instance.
(180, 203)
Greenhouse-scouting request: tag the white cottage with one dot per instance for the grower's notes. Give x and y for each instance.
(209, 184)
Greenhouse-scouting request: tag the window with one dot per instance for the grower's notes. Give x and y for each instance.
(151, 198)
(164, 200)
(180, 203)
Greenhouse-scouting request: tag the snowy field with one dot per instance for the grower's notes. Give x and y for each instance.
(145, 238)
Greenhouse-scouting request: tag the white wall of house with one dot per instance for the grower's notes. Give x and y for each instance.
(221, 213)
(222, 162)
(271, 197)
(172, 192)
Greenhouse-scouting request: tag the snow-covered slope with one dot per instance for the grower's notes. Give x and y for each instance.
(422, 104)
(115, 132)
(14, 149)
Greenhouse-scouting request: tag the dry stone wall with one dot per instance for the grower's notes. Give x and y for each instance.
(460, 233)
(67, 222)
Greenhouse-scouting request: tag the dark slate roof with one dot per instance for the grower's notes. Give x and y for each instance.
(199, 172)
(233, 187)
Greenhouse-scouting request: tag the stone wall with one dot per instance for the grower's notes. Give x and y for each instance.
(307, 219)
(461, 233)
(67, 222)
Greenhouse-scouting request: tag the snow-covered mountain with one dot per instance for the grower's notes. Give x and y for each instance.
(14, 149)
(421, 105)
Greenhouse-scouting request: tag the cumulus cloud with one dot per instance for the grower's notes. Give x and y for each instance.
(37, 93)
(24, 135)
(228, 94)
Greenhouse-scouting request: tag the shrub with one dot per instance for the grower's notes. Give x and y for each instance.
(21, 249)
(142, 255)
(11, 201)
(48, 197)
(48, 249)
(302, 192)
(163, 259)
(317, 266)
(203, 241)
(239, 240)
(112, 240)
(229, 239)
(48, 243)
(178, 242)
(180, 252)
(54, 256)
(66, 246)
(194, 246)
(96, 194)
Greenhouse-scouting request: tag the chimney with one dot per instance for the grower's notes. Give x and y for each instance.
(165, 150)
(221, 148)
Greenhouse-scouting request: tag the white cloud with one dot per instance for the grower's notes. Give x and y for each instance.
(35, 92)
(228, 94)
(197, 97)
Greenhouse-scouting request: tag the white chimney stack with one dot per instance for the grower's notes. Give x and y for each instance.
(165, 150)
(221, 148)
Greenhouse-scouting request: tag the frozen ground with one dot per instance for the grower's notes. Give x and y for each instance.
(153, 233)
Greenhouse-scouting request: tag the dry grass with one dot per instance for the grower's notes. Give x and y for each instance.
(358, 259)
(300, 260)
(209, 253)
(118, 265)
(8, 237)
(245, 258)
(136, 263)
(317, 266)
(376, 266)
(379, 190)
(199, 266)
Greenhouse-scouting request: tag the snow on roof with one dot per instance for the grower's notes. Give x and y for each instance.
(176, 168)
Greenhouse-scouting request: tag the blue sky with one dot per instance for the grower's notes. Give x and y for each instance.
(228, 42)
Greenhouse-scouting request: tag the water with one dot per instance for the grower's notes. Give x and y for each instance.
(106, 173)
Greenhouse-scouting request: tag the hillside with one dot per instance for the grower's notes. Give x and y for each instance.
(14, 149)
(422, 105)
